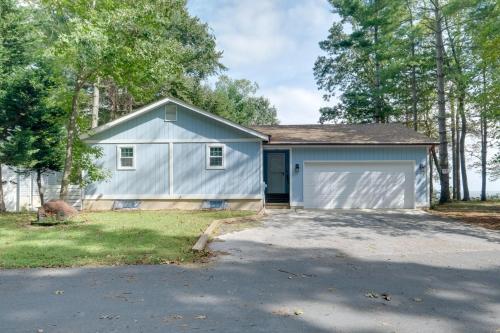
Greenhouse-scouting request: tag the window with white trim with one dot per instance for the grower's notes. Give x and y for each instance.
(216, 158)
(125, 157)
(170, 112)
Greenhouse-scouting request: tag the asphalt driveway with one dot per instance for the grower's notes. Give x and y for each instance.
(304, 271)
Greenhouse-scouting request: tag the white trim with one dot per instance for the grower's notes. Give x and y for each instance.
(295, 146)
(207, 156)
(172, 197)
(290, 174)
(428, 175)
(360, 161)
(296, 203)
(261, 168)
(165, 114)
(171, 168)
(124, 141)
(163, 101)
(118, 157)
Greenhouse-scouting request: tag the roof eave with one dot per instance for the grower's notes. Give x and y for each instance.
(291, 143)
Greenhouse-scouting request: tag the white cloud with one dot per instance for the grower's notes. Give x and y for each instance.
(296, 105)
(250, 32)
(266, 33)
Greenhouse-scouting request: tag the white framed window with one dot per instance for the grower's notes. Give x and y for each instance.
(125, 157)
(216, 156)
(170, 112)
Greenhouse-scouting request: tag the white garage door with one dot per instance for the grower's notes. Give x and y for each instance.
(329, 185)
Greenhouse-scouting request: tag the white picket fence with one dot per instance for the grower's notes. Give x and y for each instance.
(21, 191)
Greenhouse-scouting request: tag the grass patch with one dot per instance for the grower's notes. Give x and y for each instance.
(104, 238)
(482, 213)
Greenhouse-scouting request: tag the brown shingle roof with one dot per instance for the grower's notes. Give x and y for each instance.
(358, 134)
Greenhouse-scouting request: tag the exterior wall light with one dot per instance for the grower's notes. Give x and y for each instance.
(297, 167)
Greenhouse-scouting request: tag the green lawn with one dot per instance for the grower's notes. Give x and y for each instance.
(104, 238)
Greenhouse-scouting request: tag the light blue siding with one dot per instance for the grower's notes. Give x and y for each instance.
(418, 154)
(150, 176)
(241, 175)
(189, 126)
(150, 179)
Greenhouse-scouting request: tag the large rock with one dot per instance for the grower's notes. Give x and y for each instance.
(56, 208)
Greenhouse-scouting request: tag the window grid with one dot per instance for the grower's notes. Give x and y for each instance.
(215, 156)
(126, 157)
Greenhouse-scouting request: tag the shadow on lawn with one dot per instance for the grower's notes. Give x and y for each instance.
(257, 294)
(83, 244)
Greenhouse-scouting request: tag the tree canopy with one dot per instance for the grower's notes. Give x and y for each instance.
(68, 65)
(424, 63)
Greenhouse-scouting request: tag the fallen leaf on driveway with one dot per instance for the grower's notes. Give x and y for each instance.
(386, 296)
(109, 316)
(332, 290)
(59, 292)
(416, 299)
(172, 317)
(201, 317)
(281, 312)
(290, 273)
(298, 312)
(372, 295)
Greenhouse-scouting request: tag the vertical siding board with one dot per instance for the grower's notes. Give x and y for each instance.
(237, 178)
(149, 177)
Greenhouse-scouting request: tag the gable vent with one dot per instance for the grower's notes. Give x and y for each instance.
(170, 112)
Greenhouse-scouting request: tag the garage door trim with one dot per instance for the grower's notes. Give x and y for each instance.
(409, 163)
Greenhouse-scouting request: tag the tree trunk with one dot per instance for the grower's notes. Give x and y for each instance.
(457, 154)
(2, 199)
(484, 147)
(431, 180)
(484, 144)
(40, 186)
(443, 143)
(454, 159)
(378, 105)
(414, 95)
(95, 105)
(436, 162)
(71, 130)
(413, 76)
(463, 132)
(460, 111)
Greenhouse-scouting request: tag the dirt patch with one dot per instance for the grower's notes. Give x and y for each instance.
(226, 228)
(483, 214)
(485, 220)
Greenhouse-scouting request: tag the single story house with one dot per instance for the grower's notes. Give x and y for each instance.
(170, 154)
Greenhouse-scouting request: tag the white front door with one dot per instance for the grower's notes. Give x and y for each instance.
(276, 173)
(329, 185)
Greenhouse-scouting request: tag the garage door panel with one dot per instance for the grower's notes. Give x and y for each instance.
(358, 185)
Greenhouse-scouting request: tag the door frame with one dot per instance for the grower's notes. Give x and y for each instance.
(284, 198)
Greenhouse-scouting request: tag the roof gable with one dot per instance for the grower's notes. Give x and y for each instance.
(155, 105)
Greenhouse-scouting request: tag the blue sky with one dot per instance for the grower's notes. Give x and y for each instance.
(275, 43)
